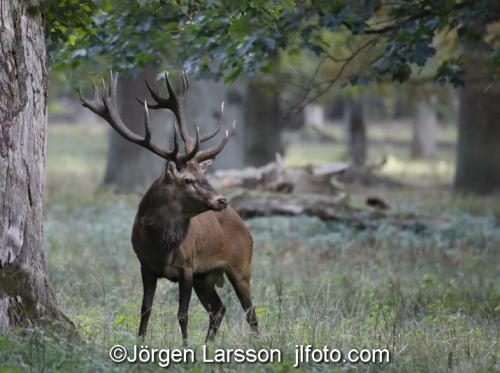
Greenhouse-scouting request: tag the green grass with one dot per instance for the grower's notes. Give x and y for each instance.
(428, 291)
(75, 165)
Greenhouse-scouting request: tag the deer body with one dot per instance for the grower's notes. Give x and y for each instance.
(210, 242)
(184, 230)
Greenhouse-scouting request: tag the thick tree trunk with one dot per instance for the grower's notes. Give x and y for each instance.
(424, 130)
(255, 108)
(356, 131)
(478, 149)
(26, 297)
(129, 166)
(203, 107)
(262, 124)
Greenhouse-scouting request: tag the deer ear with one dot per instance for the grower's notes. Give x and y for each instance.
(171, 171)
(206, 164)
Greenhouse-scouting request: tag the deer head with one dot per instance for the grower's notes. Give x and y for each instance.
(184, 179)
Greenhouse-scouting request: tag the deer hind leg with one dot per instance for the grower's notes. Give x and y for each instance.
(149, 281)
(241, 286)
(205, 290)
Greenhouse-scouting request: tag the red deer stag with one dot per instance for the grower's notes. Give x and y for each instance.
(184, 230)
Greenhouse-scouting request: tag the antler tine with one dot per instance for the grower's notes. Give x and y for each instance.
(176, 140)
(173, 104)
(185, 84)
(217, 128)
(95, 105)
(104, 105)
(160, 101)
(212, 152)
(192, 153)
(177, 108)
(147, 124)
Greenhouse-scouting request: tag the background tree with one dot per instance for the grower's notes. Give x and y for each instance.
(355, 122)
(478, 150)
(424, 127)
(131, 167)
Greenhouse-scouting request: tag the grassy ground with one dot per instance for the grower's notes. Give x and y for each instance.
(430, 294)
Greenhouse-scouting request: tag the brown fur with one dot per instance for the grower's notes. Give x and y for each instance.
(176, 231)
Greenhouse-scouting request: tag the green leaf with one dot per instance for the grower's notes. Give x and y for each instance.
(239, 27)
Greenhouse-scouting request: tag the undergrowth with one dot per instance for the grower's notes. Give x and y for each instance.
(423, 283)
(427, 291)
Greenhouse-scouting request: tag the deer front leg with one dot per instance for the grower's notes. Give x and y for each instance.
(149, 281)
(185, 289)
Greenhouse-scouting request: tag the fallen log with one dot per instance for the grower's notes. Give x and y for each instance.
(275, 177)
(251, 204)
(318, 179)
(337, 208)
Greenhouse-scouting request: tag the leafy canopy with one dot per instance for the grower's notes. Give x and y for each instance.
(225, 38)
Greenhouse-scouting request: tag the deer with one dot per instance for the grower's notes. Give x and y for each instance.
(184, 230)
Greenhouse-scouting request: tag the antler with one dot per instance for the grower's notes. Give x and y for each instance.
(212, 152)
(104, 105)
(173, 104)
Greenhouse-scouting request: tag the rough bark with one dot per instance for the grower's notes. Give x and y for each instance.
(262, 124)
(424, 129)
(356, 131)
(130, 167)
(478, 149)
(26, 296)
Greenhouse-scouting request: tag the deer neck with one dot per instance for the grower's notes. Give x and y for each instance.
(173, 233)
(167, 230)
(161, 215)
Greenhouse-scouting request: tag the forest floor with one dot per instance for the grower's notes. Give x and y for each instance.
(429, 294)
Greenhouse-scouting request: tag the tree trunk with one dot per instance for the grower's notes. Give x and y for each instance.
(262, 124)
(129, 166)
(478, 148)
(356, 131)
(26, 296)
(424, 130)
(203, 107)
(314, 116)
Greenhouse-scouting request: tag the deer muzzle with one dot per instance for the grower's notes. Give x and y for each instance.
(219, 203)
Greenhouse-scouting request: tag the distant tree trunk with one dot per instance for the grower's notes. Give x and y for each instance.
(129, 166)
(356, 131)
(262, 124)
(203, 107)
(314, 116)
(478, 148)
(424, 130)
(26, 296)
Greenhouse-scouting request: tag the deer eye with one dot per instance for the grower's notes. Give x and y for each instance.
(188, 181)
